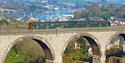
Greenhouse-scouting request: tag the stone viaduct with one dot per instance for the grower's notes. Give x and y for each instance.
(57, 39)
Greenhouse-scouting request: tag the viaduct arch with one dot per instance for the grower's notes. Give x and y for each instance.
(90, 38)
(57, 42)
(49, 53)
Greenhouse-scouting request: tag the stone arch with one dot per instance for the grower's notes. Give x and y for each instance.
(49, 52)
(113, 35)
(119, 33)
(89, 37)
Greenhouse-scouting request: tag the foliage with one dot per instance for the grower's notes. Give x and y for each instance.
(73, 55)
(67, 59)
(100, 11)
(3, 22)
(26, 51)
(116, 50)
(6, 21)
(70, 48)
(113, 51)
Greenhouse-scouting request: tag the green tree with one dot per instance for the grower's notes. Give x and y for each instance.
(75, 55)
(25, 51)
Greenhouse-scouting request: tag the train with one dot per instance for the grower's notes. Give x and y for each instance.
(67, 24)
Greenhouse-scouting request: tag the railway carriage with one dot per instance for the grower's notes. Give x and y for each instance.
(67, 24)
